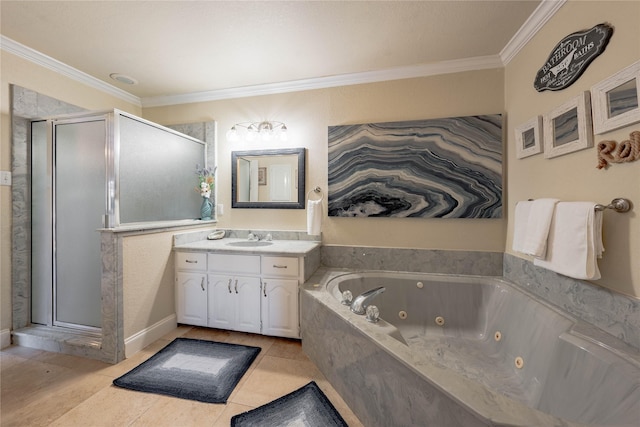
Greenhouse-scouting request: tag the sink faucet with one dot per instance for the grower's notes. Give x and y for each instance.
(257, 237)
(360, 303)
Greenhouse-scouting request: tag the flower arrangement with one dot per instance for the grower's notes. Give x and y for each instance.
(206, 176)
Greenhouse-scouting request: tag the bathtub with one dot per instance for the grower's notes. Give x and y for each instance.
(465, 351)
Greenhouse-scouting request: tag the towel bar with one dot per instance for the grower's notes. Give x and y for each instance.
(619, 205)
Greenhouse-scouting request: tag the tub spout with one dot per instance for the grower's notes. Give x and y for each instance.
(360, 303)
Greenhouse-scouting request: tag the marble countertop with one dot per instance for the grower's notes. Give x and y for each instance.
(277, 247)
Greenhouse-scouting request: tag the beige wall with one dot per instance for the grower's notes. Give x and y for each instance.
(148, 277)
(574, 176)
(307, 116)
(15, 70)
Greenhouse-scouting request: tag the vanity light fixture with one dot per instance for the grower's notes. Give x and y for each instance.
(265, 130)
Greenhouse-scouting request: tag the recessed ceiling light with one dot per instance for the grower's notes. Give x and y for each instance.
(123, 79)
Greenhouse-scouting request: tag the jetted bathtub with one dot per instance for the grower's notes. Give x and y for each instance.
(465, 351)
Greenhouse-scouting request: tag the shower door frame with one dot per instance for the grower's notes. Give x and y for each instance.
(51, 123)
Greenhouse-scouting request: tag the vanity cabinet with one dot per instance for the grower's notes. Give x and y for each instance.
(234, 303)
(191, 288)
(279, 307)
(248, 293)
(279, 302)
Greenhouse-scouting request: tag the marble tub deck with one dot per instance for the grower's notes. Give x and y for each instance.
(351, 351)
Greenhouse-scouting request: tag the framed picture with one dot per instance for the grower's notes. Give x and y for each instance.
(262, 176)
(568, 127)
(616, 100)
(529, 138)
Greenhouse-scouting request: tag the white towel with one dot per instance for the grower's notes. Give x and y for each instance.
(521, 219)
(314, 217)
(575, 241)
(535, 242)
(532, 223)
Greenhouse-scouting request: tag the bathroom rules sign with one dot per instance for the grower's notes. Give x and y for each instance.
(571, 57)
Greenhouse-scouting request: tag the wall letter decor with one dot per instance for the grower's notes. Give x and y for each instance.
(437, 168)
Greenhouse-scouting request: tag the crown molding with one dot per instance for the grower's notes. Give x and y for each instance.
(545, 11)
(38, 58)
(424, 70)
(534, 23)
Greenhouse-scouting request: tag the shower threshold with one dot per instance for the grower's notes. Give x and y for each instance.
(61, 340)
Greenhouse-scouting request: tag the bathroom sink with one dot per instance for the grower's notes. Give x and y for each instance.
(250, 243)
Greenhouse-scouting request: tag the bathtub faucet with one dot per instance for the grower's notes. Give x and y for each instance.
(360, 303)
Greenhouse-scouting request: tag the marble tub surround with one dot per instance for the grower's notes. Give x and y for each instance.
(612, 312)
(418, 260)
(458, 373)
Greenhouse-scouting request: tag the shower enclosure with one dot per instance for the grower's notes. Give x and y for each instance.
(68, 202)
(93, 173)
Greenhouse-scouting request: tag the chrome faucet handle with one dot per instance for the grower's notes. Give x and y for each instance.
(347, 297)
(373, 314)
(269, 237)
(252, 237)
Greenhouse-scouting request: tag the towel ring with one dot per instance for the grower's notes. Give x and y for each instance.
(316, 190)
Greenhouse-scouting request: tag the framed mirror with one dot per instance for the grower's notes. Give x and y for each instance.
(268, 179)
(568, 127)
(616, 100)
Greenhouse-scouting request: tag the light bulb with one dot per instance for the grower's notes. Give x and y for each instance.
(232, 135)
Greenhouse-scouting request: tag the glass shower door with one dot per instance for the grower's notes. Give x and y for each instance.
(80, 200)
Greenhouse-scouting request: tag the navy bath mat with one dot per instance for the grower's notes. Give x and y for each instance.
(206, 371)
(307, 406)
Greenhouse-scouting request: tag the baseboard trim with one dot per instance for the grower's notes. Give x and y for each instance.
(140, 340)
(5, 338)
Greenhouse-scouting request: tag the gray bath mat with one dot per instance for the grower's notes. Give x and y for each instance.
(307, 406)
(206, 371)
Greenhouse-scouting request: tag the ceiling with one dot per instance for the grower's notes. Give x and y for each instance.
(174, 48)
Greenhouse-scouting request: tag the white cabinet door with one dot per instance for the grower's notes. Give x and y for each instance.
(247, 304)
(280, 308)
(191, 298)
(234, 303)
(221, 302)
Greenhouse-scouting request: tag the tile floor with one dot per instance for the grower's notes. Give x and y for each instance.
(39, 388)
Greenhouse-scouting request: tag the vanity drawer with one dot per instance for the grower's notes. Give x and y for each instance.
(243, 264)
(279, 266)
(191, 261)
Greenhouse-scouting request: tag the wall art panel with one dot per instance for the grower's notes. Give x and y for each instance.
(435, 168)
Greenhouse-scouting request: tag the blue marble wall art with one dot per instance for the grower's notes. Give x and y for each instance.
(436, 168)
